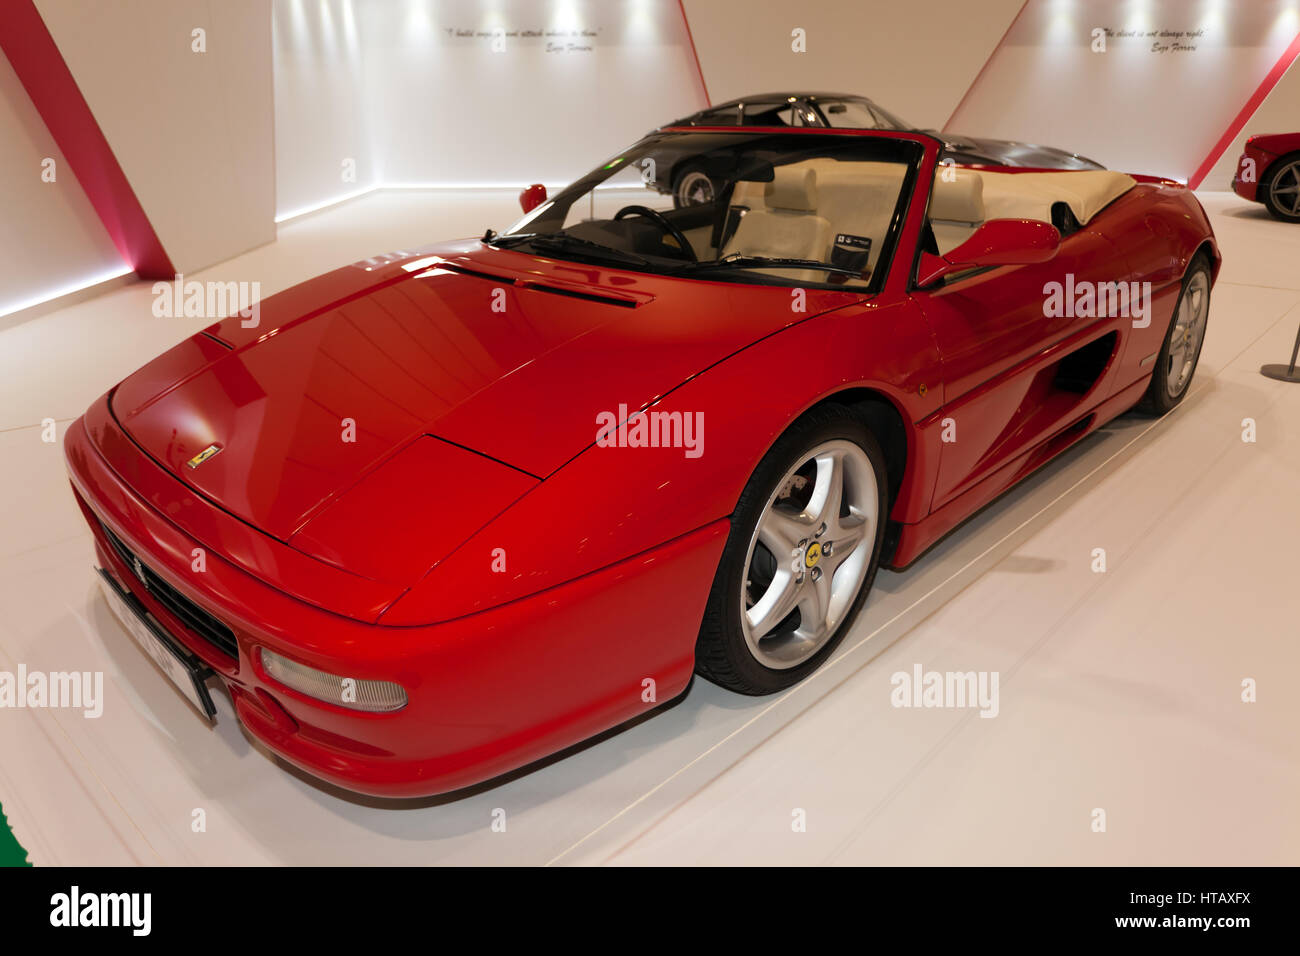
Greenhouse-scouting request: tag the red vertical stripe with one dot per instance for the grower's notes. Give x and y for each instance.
(992, 54)
(681, 5)
(1247, 111)
(40, 67)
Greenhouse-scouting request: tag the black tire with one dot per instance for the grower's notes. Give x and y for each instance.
(1158, 398)
(693, 187)
(721, 652)
(1287, 167)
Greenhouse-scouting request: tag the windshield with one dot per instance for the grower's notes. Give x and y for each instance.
(771, 208)
(860, 114)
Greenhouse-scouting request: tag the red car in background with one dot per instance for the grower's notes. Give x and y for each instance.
(444, 512)
(1269, 172)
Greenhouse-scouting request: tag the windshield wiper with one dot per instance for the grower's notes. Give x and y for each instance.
(564, 242)
(737, 261)
(505, 242)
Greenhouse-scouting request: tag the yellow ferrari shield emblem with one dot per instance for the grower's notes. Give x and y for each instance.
(204, 455)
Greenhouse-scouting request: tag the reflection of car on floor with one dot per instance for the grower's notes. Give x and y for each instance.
(461, 507)
(1269, 172)
(689, 183)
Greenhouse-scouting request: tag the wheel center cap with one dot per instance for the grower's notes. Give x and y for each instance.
(813, 554)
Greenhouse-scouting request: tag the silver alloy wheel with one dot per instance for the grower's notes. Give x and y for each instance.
(1285, 189)
(1189, 328)
(695, 189)
(809, 554)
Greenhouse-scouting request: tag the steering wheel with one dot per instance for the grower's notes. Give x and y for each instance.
(659, 220)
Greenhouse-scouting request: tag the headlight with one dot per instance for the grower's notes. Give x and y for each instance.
(376, 696)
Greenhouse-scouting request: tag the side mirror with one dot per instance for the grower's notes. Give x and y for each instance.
(999, 242)
(532, 197)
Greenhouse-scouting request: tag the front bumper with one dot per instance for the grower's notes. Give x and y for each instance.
(488, 693)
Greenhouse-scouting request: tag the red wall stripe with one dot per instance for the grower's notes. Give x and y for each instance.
(975, 82)
(45, 76)
(1247, 111)
(681, 5)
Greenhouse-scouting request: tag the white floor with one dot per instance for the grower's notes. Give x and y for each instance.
(1120, 691)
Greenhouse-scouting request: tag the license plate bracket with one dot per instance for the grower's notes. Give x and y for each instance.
(183, 668)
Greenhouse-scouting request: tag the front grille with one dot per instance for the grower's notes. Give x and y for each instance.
(190, 614)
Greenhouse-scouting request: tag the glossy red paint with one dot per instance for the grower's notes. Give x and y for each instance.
(488, 692)
(1008, 242)
(1260, 153)
(999, 242)
(374, 558)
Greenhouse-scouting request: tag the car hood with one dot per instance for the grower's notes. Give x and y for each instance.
(459, 373)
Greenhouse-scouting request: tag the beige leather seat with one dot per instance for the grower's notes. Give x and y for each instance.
(857, 198)
(788, 227)
(956, 207)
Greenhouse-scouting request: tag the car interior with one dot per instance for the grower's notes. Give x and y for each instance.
(837, 211)
(834, 209)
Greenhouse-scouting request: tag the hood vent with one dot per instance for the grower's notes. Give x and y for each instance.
(476, 273)
(578, 294)
(573, 291)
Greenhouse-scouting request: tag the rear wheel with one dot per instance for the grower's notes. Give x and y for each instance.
(1281, 189)
(803, 551)
(1181, 349)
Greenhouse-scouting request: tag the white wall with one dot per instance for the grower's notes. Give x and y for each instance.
(1129, 108)
(51, 239)
(914, 58)
(392, 85)
(323, 114)
(191, 131)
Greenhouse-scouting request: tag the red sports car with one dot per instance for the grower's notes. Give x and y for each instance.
(444, 512)
(1269, 172)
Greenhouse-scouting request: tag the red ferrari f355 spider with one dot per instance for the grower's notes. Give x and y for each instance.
(444, 512)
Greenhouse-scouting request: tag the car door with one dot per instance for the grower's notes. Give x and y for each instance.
(1016, 373)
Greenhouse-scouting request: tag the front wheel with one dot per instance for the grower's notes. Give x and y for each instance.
(802, 553)
(1181, 349)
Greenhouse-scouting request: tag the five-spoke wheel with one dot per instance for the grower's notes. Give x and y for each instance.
(1176, 362)
(1281, 189)
(809, 554)
(1188, 332)
(803, 550)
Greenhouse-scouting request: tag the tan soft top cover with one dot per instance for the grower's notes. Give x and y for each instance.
(1031, 195)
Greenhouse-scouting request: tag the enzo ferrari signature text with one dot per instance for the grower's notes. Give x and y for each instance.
(651, 430)
(82, 690)
(946, 689)
(1098, 300)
